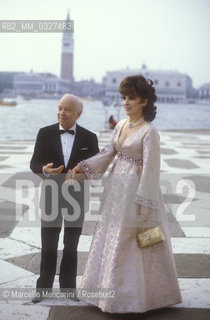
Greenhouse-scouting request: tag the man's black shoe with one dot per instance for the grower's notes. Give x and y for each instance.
(74, 298)
(41, 294)
(37, 299)
(70, 294)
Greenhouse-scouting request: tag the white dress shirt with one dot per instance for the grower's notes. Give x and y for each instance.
(67, 141)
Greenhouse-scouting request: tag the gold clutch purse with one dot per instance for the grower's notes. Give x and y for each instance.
(150, 237)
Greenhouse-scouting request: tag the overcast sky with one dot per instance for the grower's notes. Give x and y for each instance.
(111, 35)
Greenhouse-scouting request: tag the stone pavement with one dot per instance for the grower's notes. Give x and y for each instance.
(185, 185)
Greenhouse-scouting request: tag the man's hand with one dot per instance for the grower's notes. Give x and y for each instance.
(48, 169)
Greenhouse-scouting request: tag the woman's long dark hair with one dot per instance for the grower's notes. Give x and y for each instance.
(138, 86)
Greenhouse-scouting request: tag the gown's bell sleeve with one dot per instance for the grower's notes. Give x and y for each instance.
(96, 166)
(147, 194)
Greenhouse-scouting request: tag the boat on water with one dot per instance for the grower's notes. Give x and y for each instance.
(8, 103)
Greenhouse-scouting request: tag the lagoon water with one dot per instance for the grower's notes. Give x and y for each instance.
(24, 120)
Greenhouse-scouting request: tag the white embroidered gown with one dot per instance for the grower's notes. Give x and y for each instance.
(141, 279)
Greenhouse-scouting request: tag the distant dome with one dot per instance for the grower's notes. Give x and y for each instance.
(144, 66)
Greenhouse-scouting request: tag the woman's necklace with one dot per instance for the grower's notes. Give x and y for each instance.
(134, 124)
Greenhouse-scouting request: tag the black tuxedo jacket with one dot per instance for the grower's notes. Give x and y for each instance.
(48, 149)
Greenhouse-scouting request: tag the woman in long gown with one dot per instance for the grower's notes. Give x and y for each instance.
(130, 278)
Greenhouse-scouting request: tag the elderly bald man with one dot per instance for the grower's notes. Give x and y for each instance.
(58, 148)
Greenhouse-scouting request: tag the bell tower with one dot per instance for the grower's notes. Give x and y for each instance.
(67, 54)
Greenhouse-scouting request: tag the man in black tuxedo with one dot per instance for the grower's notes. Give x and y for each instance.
(58, 148)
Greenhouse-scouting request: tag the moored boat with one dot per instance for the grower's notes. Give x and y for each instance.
(8, 103)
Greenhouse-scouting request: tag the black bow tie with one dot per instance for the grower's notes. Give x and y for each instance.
(68, 131)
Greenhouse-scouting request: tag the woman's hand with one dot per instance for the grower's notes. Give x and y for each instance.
(146, 218)
(144, 213)
(77, 174)
(76, 170)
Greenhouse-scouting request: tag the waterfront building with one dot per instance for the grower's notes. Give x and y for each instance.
(171, 86)
(204, 91)
(40, 85)
(6, 81)
(89, 88)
